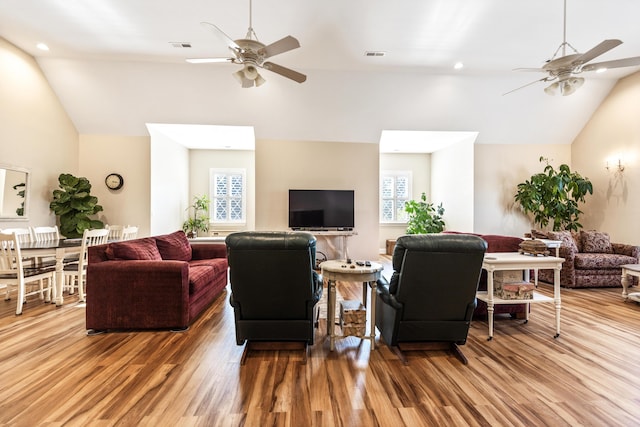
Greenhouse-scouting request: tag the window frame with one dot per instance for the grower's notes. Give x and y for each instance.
(213, 196)
(395, 174)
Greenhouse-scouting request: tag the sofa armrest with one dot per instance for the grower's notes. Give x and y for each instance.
(208, 251)
(125, 294)
(629, 250)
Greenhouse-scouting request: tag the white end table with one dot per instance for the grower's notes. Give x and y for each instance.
(334, 270)
(630, 270)
(516, 261)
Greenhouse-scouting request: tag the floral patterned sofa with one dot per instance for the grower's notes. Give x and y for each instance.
(591, 260)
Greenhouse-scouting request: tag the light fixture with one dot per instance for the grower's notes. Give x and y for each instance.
(619, 167)
(458, 66)
(565, 86)
(42, 46)
(249, 76)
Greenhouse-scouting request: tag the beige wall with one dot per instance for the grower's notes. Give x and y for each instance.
(35, 132)
(282, 165)
(128, 156)
(452, 184)
(613, 133)
(499, 168)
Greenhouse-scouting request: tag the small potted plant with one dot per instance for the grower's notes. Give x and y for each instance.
(200, 219)
(553, 196)
(424, 218)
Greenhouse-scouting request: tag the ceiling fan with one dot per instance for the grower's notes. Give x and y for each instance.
(252, 55)
(563, 71)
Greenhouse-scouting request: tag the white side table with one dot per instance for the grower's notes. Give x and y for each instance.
(339, 270)
(630, 270)
(516, 261)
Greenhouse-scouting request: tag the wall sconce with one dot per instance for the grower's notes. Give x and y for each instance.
(619, 167)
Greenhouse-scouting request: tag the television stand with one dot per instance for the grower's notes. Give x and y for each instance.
(334, 242)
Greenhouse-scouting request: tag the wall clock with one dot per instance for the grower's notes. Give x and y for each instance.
(114, 181)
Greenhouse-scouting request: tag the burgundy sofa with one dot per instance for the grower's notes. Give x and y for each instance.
(497, 243)
(160, 282)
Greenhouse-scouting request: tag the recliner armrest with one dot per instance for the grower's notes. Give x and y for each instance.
(385, 295)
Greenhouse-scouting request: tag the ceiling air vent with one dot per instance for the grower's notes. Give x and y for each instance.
(180, 44)
(374, 53)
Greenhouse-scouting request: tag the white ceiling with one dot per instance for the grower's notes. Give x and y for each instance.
(112, 64)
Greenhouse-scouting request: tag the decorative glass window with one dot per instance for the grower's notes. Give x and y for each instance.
(228, 191)
(395, 191)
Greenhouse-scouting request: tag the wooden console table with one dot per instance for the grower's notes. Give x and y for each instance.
(630, 270)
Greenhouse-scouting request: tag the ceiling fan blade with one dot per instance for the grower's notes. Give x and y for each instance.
(220, 35)
(286, 72)
(616, 63)
(283, 45)
(539, 70)
(596, 51)
(208, 60)
(544, 79)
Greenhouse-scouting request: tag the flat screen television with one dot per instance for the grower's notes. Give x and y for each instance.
(321, 209)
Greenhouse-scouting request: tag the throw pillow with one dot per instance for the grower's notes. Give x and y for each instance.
(174, 246)
(596, 242)
(539, 234)
(139, 249)
(566, 237)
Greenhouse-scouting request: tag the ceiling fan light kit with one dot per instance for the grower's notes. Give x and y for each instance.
(562, 70)
(252, 55)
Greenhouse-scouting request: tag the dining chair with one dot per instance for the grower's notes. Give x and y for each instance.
(115, 232)
(23, 234)
(45, 234)
(76, 273)
(129, 232)
(14, 274)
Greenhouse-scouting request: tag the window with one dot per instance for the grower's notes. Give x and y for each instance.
(228, 191)
(395, 191)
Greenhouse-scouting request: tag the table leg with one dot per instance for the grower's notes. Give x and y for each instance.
(490, 303)
(556, 298)
(59, 278)
(625, 283)
(331, 314)
(372, 309)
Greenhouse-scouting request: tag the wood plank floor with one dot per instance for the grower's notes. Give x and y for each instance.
(53, 374)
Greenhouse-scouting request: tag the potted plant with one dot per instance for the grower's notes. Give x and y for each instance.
(74, 205)
(553, 196)
(423, 216)
(200, 219)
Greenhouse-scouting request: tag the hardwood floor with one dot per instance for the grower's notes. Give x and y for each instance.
(54, 374)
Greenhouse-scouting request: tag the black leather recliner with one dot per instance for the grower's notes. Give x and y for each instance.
(432, 293)
(274, 288)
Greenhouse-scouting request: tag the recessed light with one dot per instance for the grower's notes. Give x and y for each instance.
(42, 46)
(458, 66)
(601, 70)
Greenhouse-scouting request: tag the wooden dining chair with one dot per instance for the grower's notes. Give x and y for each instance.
(115, 232)
(129, 232)
(13, 274)
(75, 274)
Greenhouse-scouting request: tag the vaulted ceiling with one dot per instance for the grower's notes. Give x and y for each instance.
(115, 66)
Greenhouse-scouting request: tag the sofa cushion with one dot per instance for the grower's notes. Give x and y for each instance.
(200, 276)
(568, 239)
(219, 265)
(174, 246)
(595, 242)
(138, 249)
(601, 261)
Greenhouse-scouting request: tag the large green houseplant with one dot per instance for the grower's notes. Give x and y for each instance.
(423, 216)
(553, 196)
(74, 205)
(200, 219)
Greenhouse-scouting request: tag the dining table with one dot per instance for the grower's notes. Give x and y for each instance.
(63, 250)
